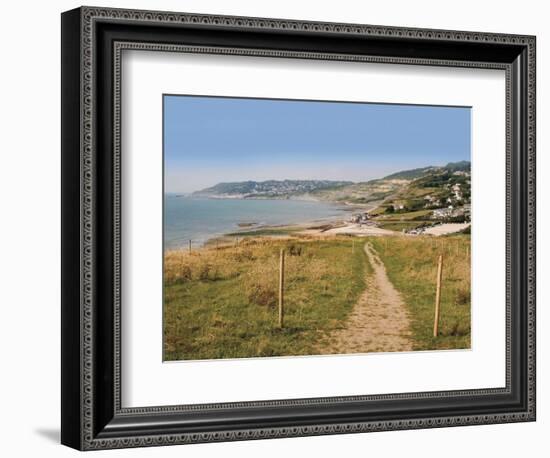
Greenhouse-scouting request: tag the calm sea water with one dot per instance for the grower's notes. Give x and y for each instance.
(199, 219)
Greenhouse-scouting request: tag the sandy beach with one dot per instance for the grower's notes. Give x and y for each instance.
(329, 227)
(447, 228)
(339, 227)
(351, 229)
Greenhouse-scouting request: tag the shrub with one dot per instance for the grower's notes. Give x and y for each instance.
(457, 329)
(295, 250)
(185, 272)
(261, 295)
(244, 254)
(462, 297)
(204, 271)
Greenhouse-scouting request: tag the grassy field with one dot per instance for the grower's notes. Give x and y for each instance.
(398, 226)
(222, 303)
(399, 221)
(411, 264)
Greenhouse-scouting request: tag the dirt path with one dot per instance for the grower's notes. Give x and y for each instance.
(379, 320)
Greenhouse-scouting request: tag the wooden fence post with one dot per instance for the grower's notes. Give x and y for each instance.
(353, 246)
(281, 287)
(189, 245)
(438, 294)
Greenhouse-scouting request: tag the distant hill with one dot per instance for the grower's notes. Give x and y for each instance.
(439, 188)
(270, 188)
(396, 185)
(461, 166)
(413, 174)
(410, 174)
(399, 184)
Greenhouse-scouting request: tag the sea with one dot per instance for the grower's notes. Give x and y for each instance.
(200, 219)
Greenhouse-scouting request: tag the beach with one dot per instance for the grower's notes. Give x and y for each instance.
(203, 220)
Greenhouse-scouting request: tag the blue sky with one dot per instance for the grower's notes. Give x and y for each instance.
(212, 139)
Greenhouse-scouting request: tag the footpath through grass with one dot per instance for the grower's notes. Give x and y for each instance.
(411, 264)
(222, 303)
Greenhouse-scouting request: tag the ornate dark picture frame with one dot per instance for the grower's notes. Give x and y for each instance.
(92, 42)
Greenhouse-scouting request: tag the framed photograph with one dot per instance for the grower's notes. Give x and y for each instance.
(276, 228)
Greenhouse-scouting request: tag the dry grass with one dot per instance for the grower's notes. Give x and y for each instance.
(411, 263)
(221, 302)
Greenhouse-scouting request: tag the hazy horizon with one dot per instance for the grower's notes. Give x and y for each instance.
(208, 140)
(307, 179)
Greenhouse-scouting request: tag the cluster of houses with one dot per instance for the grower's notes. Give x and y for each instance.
(461, 173)
(452, 212)
(455, 197)
(362, 219)
(455, 205)
(457, 192)
(433, 202)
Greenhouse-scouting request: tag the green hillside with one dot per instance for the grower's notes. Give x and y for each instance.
(442, 195)
(407, 187)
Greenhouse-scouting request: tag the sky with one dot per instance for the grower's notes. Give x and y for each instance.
(208, 140)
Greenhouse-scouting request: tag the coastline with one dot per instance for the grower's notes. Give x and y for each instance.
(204, 219)
(318, 227)
(324, 227)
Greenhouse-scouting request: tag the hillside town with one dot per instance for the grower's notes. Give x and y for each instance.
(411, 202)
(438, 198)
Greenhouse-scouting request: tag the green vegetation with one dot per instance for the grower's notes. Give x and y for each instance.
(413, 205)
(438, 184)
(399, 220)
(411, 264)
(413, 174)
(410, 174)
(222, 303)
(460, 166)
(410, 185)
(361, 193)
(396, 225)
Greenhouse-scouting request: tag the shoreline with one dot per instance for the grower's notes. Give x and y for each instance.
(254, 228)
(305, 231)
(310, 227)
(318, 228)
